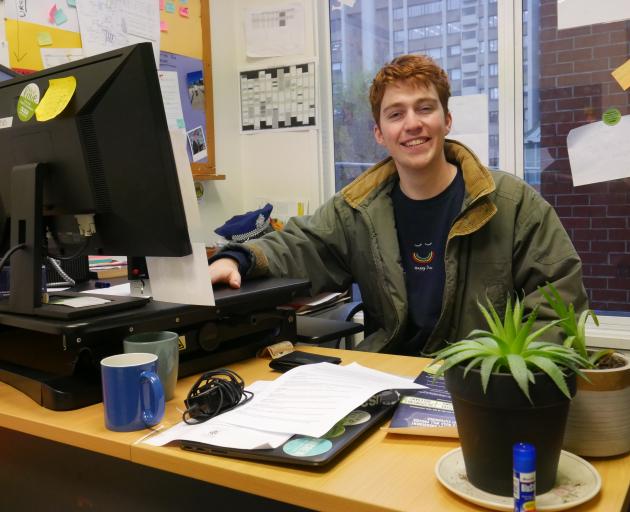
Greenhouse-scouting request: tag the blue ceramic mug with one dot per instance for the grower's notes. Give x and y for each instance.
(133, 395)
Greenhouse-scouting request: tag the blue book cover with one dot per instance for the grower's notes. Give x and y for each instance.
(427, 411)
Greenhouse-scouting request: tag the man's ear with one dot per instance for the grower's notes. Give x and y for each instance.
(378, 135)
(448, 123)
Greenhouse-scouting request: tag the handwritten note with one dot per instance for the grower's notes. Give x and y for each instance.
(56, 98)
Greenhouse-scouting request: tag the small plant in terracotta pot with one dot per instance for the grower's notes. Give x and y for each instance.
(599, 417)
(509, 386)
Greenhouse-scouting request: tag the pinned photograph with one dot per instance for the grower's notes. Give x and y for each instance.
(197, 142)
(196, 94)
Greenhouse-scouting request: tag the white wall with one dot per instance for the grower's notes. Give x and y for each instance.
(276, 165)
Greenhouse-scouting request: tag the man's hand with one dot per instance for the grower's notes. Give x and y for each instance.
(225, 270)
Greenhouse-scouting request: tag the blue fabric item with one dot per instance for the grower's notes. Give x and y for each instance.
(243, 259)
(241, 228)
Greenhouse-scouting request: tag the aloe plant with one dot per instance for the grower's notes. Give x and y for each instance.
(574, 326)
(510, 346)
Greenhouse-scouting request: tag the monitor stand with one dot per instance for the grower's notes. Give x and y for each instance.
(25, 294)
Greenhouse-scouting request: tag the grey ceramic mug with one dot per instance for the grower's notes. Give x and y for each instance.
(165, 345)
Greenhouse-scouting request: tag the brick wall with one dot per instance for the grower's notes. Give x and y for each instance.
(575, 89)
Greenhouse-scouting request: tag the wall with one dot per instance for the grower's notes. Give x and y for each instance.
(575, 88)
(277, 165)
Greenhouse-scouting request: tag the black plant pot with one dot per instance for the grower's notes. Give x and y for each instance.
(489, 424)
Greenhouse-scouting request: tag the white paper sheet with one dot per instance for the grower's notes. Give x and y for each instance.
(184, 280)
(111, 24)
(576, 13)
(275, 31)
(470, 123)
(169, 85)
(598, 152)
(121, 290)
(57, 56)
(217, 433)
(310, 399)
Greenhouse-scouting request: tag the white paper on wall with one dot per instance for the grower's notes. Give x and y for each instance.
(470, 123)
(577, 13)
(598, 152)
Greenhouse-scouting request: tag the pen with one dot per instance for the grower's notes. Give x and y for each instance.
(102, 284)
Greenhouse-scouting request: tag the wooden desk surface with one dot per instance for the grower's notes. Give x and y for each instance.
(382, 472)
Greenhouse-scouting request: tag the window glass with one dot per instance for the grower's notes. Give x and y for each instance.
(569, 85)
(370, 33)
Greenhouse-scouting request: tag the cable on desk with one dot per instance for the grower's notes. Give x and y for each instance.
(215, 392)
(8, 254)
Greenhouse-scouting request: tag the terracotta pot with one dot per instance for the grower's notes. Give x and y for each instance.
(599, 416)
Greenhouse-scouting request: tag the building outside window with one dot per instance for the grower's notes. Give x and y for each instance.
(372, 33)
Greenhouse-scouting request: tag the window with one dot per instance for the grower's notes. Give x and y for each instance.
(494, 93)
(493, 69)
(429, 31)
(493, 116)
(492, 21)
(596, 215)
(423, 9)
(493, 45)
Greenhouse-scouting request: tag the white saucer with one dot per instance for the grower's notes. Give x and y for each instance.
(577, 482)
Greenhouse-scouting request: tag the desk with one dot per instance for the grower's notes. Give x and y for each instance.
(383, 472)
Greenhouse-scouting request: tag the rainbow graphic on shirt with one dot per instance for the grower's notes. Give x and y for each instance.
(422, 260)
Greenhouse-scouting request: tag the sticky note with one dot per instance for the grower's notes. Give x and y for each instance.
(622, 75)
(163, 26)
(169, 7)
(44, 39)
(60, 17)
(51, 13)
(183, 1)
(72, 3)
(161, 5)
(180, 123)
(56, 98)
(183, 11)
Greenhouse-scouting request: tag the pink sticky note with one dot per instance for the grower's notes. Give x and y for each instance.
(51, 13)
(183, 11)
(163, 26)
(161, 5)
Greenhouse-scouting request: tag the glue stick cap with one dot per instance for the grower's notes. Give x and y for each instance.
(524, 457)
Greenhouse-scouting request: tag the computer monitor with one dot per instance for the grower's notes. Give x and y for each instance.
(106, 160)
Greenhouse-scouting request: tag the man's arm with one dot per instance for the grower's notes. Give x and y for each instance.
(543, 252)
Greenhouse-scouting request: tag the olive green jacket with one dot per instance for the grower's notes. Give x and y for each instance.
(506, 239)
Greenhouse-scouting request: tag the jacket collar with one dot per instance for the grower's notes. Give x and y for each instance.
(477, 208)
(477, 178)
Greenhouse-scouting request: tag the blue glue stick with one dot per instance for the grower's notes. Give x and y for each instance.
(524, 464)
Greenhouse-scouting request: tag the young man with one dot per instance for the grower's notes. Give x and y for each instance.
(426, 233)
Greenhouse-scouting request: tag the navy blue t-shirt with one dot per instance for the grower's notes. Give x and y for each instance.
(423, 227)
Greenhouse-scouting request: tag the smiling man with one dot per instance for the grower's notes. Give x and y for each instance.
(425, 233)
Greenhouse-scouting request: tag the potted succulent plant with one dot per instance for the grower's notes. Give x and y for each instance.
(599, 417)
(508, 386)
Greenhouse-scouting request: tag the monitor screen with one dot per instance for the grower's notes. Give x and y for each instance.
(105, 161)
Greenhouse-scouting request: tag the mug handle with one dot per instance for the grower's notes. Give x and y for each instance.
(154, 414)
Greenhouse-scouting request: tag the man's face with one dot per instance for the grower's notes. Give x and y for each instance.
(413, 126)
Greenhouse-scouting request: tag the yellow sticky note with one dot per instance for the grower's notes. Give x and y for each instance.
(44, 39)
(622, 75)
(56, 99)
